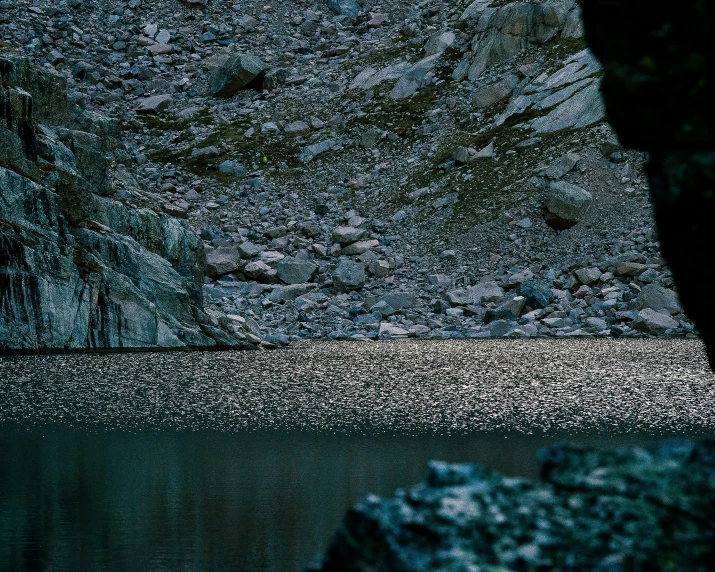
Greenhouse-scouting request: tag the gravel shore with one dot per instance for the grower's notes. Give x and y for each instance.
(606, 386)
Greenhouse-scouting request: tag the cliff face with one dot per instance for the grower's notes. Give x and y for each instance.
(78, 269)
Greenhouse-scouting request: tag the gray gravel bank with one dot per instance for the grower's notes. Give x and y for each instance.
(575, 386)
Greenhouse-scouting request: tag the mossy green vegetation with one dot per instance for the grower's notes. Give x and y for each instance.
(229, 139)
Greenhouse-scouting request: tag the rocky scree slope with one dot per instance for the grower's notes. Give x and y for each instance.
(374, 170)
(79, 270)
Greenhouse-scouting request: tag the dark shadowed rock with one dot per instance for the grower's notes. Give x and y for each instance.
(344, 7)
(537, 293)
(660, 63)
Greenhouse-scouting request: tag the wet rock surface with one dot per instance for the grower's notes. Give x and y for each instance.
(625, 509)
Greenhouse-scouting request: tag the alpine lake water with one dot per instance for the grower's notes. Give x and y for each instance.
(248, 460)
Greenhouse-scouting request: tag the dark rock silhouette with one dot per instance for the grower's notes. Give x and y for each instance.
(659, 88)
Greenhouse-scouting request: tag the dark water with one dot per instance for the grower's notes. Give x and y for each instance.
(247, 461)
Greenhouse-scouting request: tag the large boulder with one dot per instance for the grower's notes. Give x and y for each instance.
(399, 300)
(537, 293)
(658, 298)
(240, 71)
(348, 276)
(296, 270)
(566, 205)
(486, 291)
(223, 260)
(651, 322)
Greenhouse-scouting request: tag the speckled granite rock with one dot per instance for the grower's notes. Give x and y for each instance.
(629, 509)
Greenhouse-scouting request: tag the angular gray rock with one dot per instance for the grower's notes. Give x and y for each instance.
(658, 298)
(486, 291)
(562, 166)
(566, 205)
(588, 275)
(439, 42)
(223, 260)
(495, 92)
(399, 300)
(347, 234)
(581, 110)
(652, 322)
(237, 72)
(295, 270)
(154, 104)
(415, 77)
(359, 247)
(348, 276)
(388, 331)
(296, 128)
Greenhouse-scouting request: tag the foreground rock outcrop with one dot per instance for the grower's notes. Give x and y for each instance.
(80, 270)
(629, 509)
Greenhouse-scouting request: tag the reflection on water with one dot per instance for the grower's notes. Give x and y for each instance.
(74, 500)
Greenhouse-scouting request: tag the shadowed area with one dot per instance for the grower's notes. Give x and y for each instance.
(658, 87)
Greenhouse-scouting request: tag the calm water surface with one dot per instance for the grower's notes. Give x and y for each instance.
(247, 460)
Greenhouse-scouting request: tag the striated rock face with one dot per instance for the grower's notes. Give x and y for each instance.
(78, 269)
(503, 32)
(630, 509)
(659, 87)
